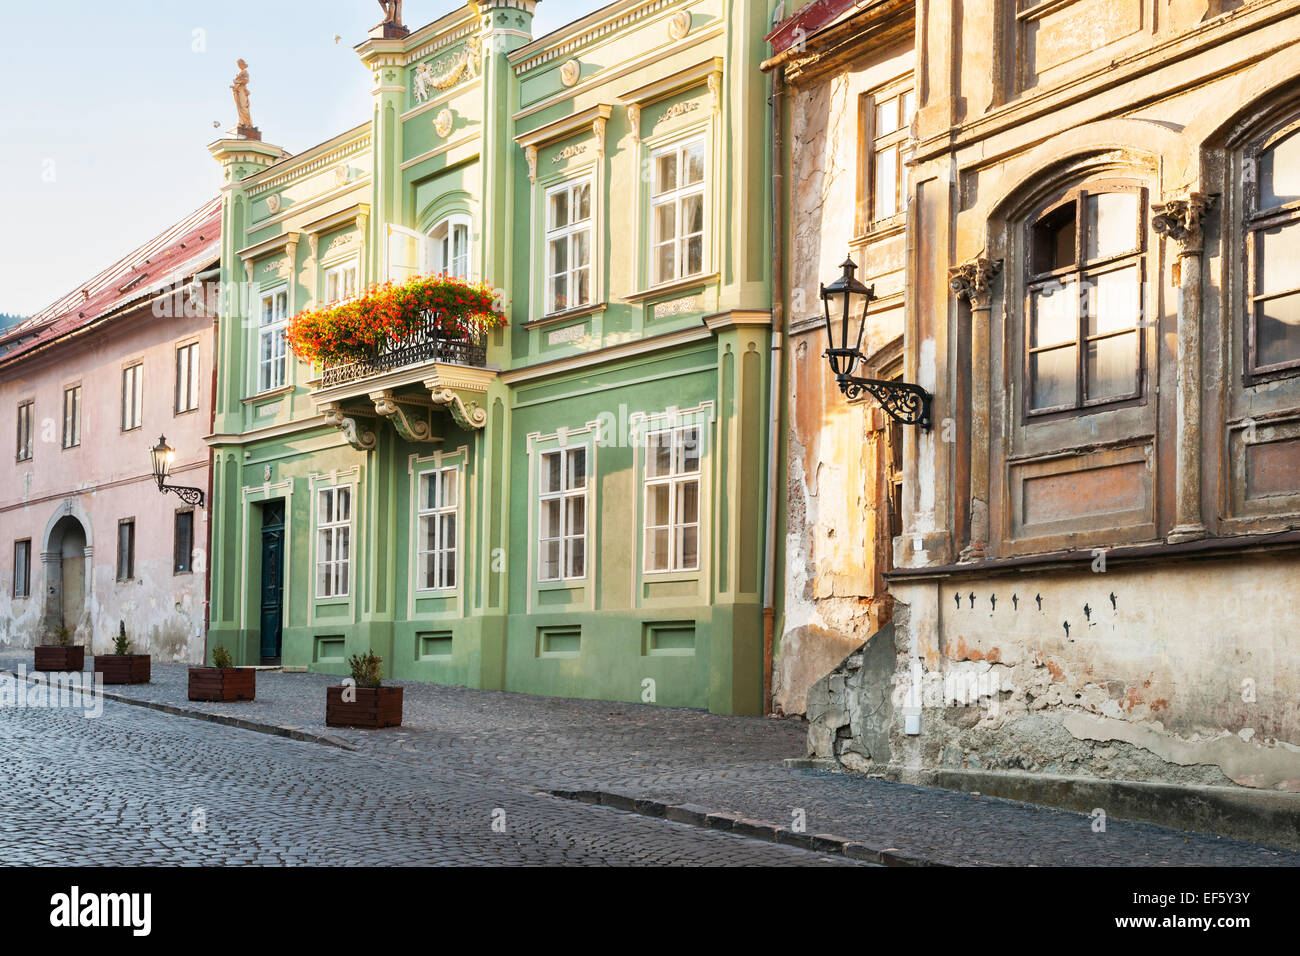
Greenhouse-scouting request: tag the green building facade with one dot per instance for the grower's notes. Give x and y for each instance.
(577, 504)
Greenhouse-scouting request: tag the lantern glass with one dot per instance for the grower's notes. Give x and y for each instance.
(162, 455)
(845, 301)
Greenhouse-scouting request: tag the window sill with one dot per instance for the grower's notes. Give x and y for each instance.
(270, 393)
(563, 584)
(556, 318)
(669, 576)
(670, 288)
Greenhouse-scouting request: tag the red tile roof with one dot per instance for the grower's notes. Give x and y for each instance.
(166, 261)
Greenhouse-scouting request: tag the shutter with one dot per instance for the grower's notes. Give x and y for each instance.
(408, 253)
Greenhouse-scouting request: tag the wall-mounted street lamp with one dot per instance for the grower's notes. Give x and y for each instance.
(846, 301)
(162, 455)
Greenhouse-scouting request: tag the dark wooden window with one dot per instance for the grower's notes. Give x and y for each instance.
(183, 547)
(126, 549)
(1084, 301)
(1273, 248)
(22, 568)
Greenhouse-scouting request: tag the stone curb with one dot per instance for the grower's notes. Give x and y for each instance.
(695, 815)
(275, 730)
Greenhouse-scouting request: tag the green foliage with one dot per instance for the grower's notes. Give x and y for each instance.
(221, 658)
(121, 646)
(63, 636)
(367, 670)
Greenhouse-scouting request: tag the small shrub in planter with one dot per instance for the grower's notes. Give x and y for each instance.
(62, 655)
(122, 667)
(223, 681)
(365, 702)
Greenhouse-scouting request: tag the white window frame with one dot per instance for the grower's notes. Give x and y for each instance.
(26, 427)
(187, 377)
(72, 416)
(676, 478)
(568, 235)
(566, 495)
(444, 556)
(337, 571)
(442, 254)
(342, 281)
(272, 371)
(132, 396)
(677, 196)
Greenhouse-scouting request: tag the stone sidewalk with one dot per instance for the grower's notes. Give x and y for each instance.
(619, 753)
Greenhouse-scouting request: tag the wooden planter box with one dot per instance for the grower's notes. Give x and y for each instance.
(123, 668)
(374, 707)
(222, 684)
(59, 657)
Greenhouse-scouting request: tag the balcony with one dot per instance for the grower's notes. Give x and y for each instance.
(404, 380)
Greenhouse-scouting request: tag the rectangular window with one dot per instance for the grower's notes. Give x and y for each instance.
(568, 246)
(886, 124)
(26, 413)
(450, 247)
(126, 549)
(132, 396)
(562, 519)
(333, 541)
(187, 378)
(1085, 300)
(1273, 228)
(22, 568)
(340, 282)
(183, 543)
(672, 500)
(437, 517)
(677, 211)
(271, 345)
(72, 416)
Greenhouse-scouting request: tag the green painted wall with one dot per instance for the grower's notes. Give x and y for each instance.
(506, 119)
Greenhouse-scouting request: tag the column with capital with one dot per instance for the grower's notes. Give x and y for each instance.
(1180, 221)
(972, 281)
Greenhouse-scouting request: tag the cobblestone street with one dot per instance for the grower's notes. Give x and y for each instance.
(124, 788)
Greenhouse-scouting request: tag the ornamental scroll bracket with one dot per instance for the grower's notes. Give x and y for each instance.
(354, 433)
(470, 416)
(411, 428)
(1181, 220)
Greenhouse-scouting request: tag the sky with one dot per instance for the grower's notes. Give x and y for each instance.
(108, 106)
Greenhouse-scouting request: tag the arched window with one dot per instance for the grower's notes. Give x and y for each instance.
(1084, 305)
(1273, 250)
(451, 253)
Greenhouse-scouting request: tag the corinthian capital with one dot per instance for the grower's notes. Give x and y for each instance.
(972, 280)
(1180, 220)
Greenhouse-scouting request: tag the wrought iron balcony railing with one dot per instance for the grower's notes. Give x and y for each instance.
(426, 343)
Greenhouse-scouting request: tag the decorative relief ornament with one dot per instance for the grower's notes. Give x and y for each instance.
(273, 203)
(1180, 220)
(598, 130)
(972, 281)
(342, 173)
(678, 109)
(446, 72)
(568, 153)
(530, 154)
(679, 24)
(442, 123)
(569, 72)
(715, 90)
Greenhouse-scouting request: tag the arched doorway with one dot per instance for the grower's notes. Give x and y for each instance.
(67, 572)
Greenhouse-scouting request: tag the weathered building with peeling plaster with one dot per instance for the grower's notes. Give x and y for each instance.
(1096, 573)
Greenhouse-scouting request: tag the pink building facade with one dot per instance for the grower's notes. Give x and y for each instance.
(87, 386)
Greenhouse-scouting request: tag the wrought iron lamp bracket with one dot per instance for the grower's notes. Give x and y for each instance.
(906, 403)
(191, 496)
